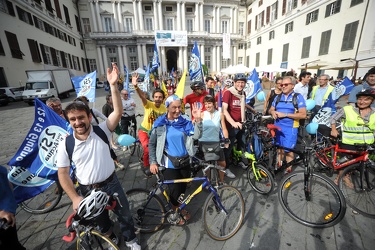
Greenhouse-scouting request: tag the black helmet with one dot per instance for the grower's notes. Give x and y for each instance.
(197, 85)
(366, 92)
(240, 77)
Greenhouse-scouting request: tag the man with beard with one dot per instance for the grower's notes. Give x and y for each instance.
(369, 83)
(55, 104)
(152, 110)
(94, 166)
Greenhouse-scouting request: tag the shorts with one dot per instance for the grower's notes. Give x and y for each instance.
(287, 137)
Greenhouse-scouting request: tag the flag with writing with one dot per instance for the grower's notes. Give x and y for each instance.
(85, 85)
(329, 106)
(252, 86)
(155, 59)
(33, 167)
(195, 65)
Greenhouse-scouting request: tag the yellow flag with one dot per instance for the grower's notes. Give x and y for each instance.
(164, 89)
(181, 86)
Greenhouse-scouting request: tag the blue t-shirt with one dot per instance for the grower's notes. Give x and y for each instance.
(174, 145)
(285, 105)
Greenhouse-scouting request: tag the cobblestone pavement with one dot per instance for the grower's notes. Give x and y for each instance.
(266, 225)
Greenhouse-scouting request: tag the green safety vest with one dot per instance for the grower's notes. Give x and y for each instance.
(329, 90)
(354, 130)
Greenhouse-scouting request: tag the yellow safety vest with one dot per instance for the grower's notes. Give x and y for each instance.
(329, 90)
(355, 130)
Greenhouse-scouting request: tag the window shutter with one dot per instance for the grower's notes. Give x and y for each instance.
(268, 14)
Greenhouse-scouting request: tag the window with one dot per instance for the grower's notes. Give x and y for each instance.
(7, 7)
(133, 63)
(189, 9)
(240, 46)
(66, 12)
(269, 57)
(249, 27)
(260, 3)
(2, 52)
(207, 61)
(83, 64)
(169, 24)
(77, 23)
(291, 4)
(35, 55)
(24, 16)
(57, 7)
(148, 23)
(207, 26)
(333, 8)
(58, 58)
(224, 27)
(312, 17)
(112, 50)
(272, 35)
(350, 34)
(306, 47)
(288, 27)
(168, 8)
(38, 23)
(355, 2)
(108, 24)
(259, 40)
(257, 59)
(13, 45)
(86, 25)
(240, 60)
(76, 63)
(148, 7)
(259, 20)
(132, 50)
(92, 65)
(324, 42)
(128, 25)
(241, 26)
(47, 54)
(285, 52)
(113, 59)
(274, 12)
(189, 25)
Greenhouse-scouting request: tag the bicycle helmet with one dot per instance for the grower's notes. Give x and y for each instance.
(228, 82)
(366, 92)
(197, 85)
(93, 205)
(240, 77)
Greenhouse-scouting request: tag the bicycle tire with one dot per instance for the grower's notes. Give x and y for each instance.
(148, 212)
(360, 199)
(131, 147)
(326, 206)
(217, 224)
(94, 240)
(44, 202)
(264, 185)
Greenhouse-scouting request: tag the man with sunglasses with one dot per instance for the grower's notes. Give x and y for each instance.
(287, 118)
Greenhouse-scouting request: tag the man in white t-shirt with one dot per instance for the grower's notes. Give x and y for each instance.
(94, 166)
(303, 86)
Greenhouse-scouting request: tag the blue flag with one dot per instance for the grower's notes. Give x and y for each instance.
(33, 167)
(220, 101)
(195, 66)
(252, 86)
(155, 59)
(146, 80)
(126, 85)
(85, 85)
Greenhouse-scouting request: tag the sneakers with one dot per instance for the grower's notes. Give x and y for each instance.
(242, 165)
(119, 165)
(229, 173)
(133, 245)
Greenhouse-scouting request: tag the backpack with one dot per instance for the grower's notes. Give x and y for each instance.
(294, 100)
(70, 142)
(94, 116)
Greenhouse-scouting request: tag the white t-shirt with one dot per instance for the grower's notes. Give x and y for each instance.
(91, 157)
(302, 89)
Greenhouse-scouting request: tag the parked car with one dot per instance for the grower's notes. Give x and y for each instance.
(4, 99)
(13, 93)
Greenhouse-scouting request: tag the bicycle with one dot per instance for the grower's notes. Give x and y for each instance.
(88, 235)
(223, 209)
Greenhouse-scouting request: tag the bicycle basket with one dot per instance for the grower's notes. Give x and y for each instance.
(211, 151)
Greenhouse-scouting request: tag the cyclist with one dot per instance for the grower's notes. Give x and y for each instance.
(199, 92)
(128, 114)
(272, 94)
(94, 167)
(369, 83)
(358, 123)
(152, 110)
(287, 117)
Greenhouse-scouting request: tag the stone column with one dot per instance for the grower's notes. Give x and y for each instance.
(231, 21)
(202, 53)
(213, 53)
(115, 18)
(105, 57)
(155, 15)
(140, 17)
(178, 20)
(160, 17)
(234, 56)
(196, 24)
(219, 58)
(163, 59)
(125, 56)
(201, 21)
(214, 19)
(185, 59)
(135, 11)
(144, 54)
(180, 58)
(94, 16)
(218, 20)
(100, 61)
(139, 53)
(183, 10)
(99, 18)
(235, 21)
(120, 59)
(120, 18)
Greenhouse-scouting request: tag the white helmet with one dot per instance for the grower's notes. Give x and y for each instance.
(228, 82)
(93, 205)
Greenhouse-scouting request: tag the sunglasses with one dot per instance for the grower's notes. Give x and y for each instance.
(284, 84)
(125, 94)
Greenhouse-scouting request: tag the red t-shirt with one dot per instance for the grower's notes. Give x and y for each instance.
(192, 98)
(234, 106)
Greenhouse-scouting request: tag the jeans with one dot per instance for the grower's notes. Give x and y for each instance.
(123, 213)
(241, 143)
(125, 123)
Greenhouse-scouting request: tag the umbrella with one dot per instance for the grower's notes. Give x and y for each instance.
(140, 71)
(239, 68)
(341, 66)
(315, 65)
(270, 68)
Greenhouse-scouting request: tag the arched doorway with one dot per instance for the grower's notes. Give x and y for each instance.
(171, 59)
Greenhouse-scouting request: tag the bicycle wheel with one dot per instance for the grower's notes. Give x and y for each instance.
(325, 206)
(359, 191)
(219, 224)
(139, 151)
(148, 212)
(95, 240)
(261, 180)
(44, 202)
(131, 148)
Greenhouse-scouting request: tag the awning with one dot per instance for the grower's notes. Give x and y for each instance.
(314, 65)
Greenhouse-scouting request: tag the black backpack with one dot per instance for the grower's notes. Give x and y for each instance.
(70, 142)
(294, 100)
